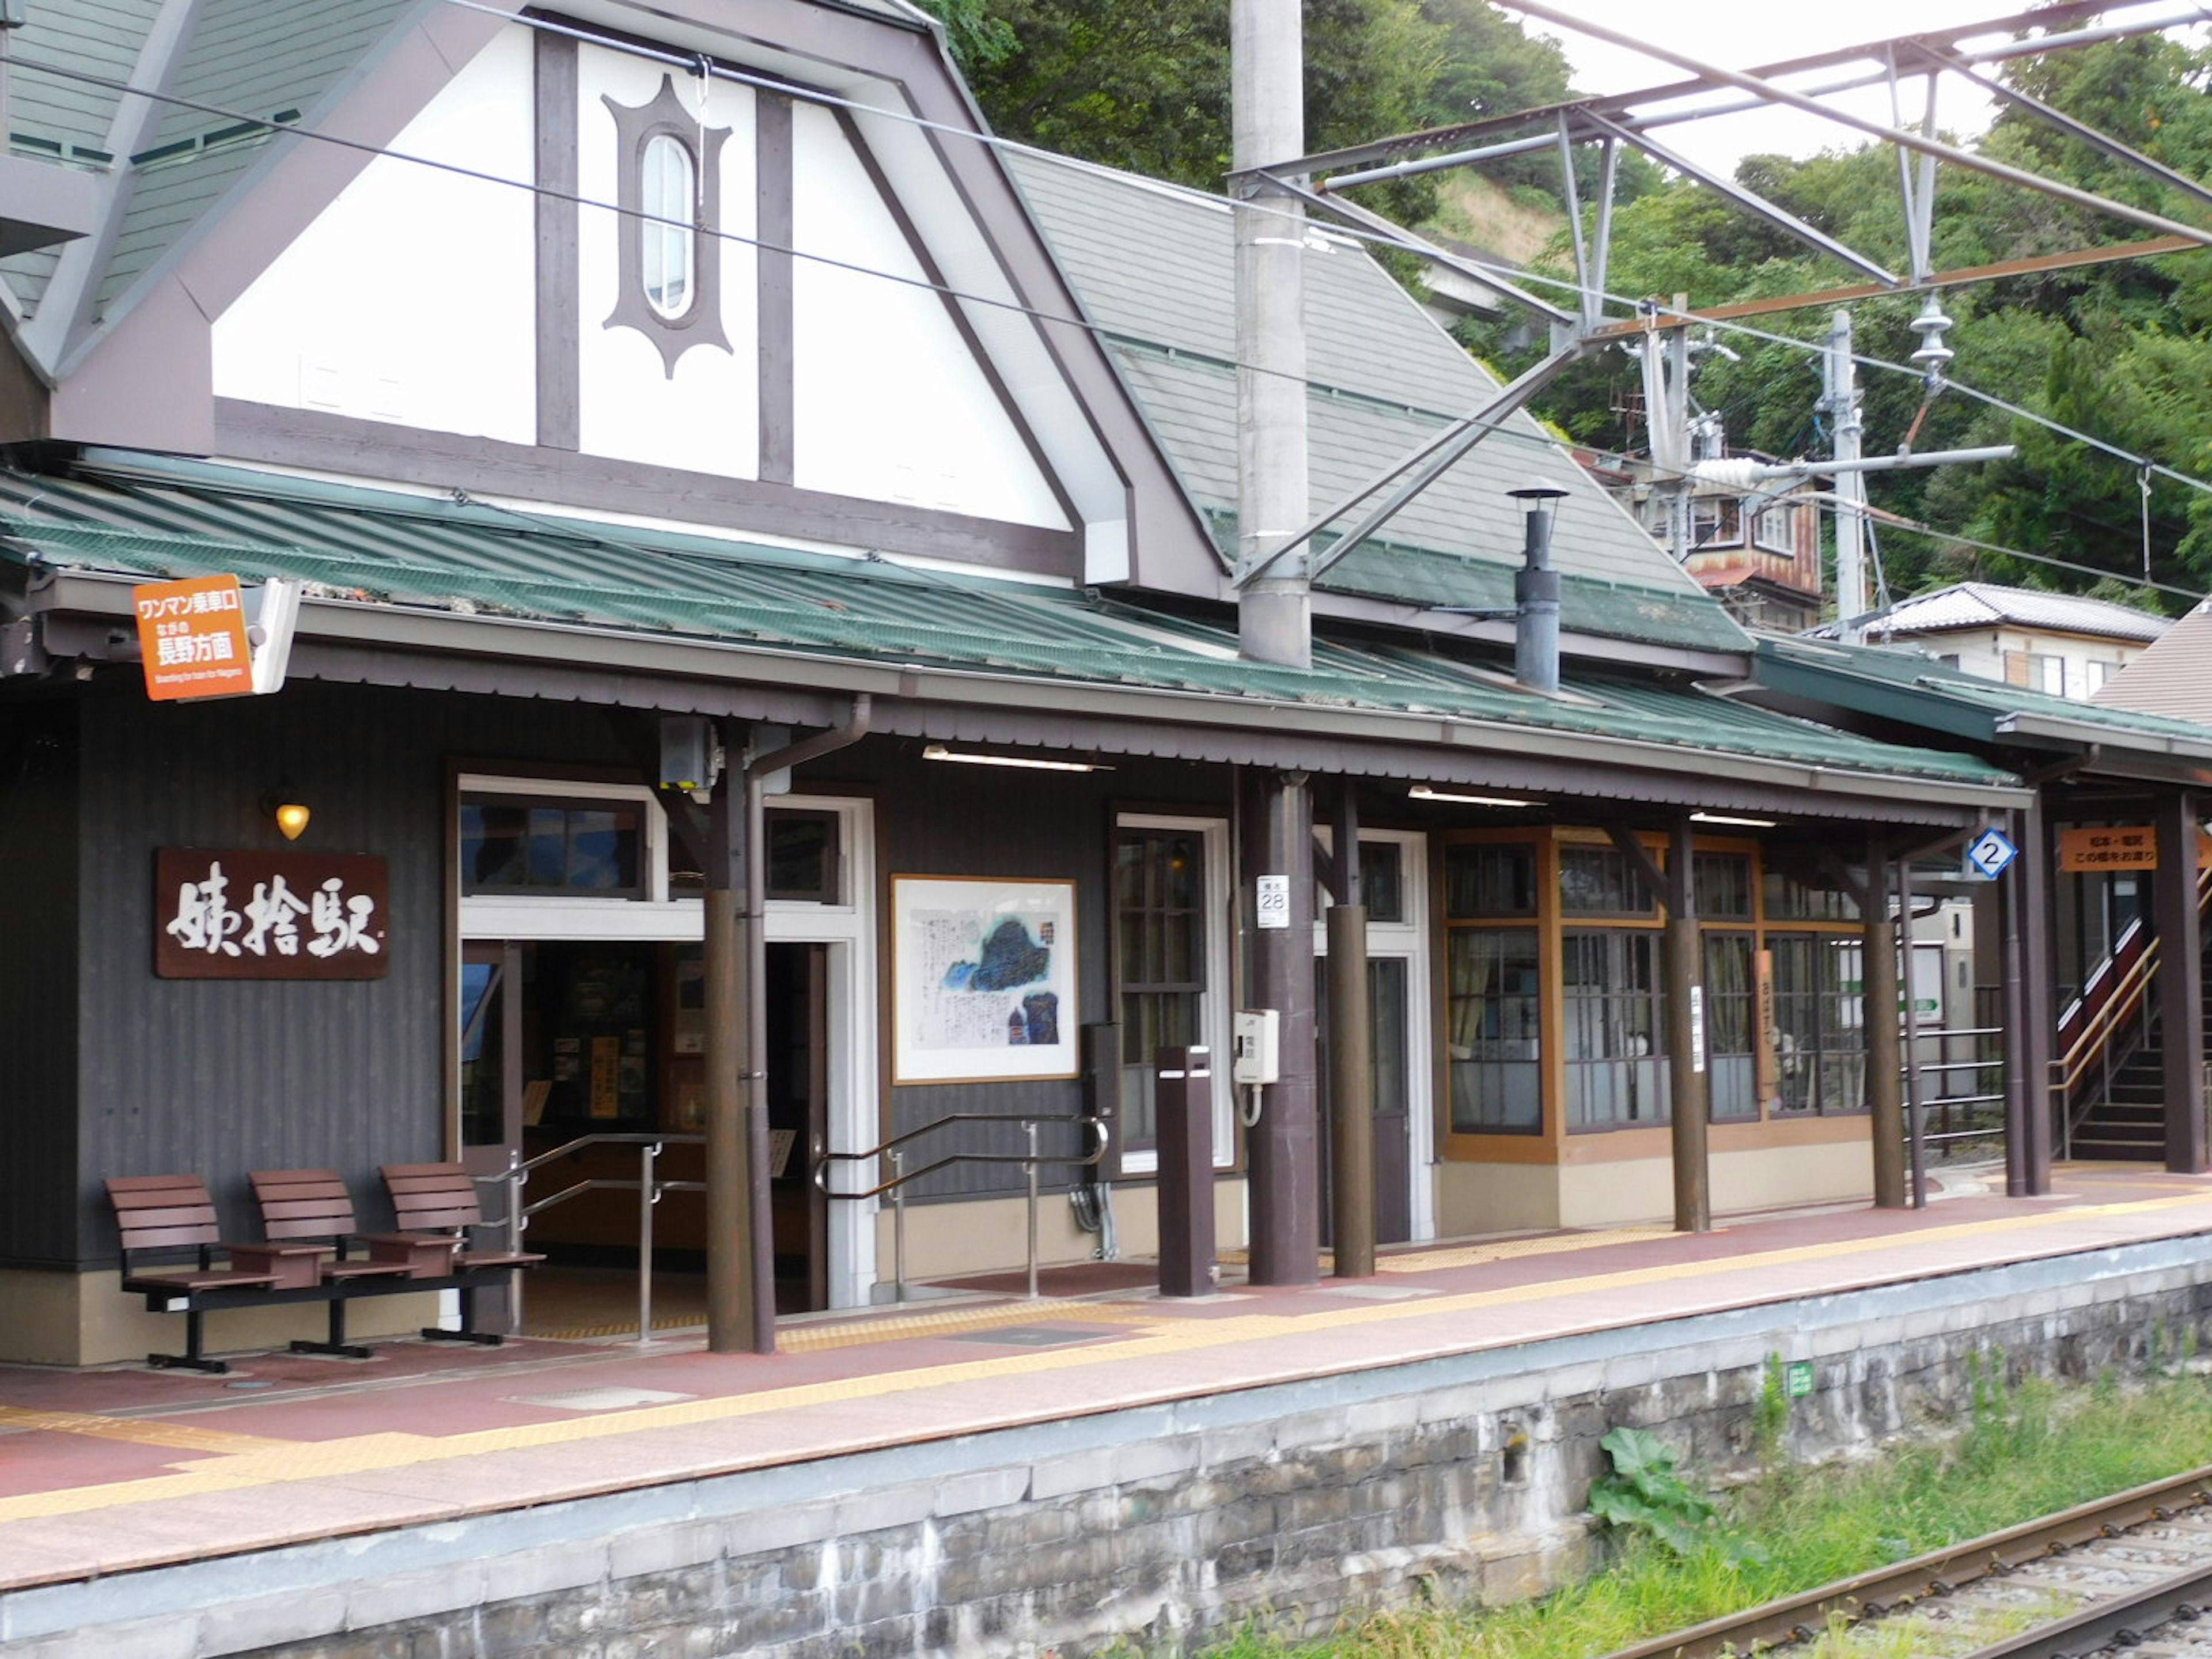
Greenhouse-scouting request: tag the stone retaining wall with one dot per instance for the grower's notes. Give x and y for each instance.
(1154, 1529)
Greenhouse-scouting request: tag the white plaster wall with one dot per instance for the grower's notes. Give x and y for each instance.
(890, 404)
(407, 299)
(991, 1235)
(707, 417)
(1984, 654)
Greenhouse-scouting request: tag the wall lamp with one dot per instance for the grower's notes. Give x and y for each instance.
(290, 815)
(938, 751)
(1422, 791)
(1722, 817)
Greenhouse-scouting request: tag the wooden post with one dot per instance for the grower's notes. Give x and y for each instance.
(1688, 1078)
(2038, 1021)
(1182, 1098)
(731, 1316)
(1885, 1054)
(1284, 1145)
(2180, 983)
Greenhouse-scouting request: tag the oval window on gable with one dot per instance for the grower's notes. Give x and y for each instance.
(670, 205)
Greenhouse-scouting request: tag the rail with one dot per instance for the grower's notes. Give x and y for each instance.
(1801, 1616)
(1094, 1130)
(647, 1186)
(1954, 1118)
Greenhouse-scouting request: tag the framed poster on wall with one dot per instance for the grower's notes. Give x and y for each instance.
(982, 979)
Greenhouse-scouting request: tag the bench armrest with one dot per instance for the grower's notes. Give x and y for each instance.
(291, 1266)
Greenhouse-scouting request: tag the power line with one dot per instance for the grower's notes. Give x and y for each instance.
(704, 65)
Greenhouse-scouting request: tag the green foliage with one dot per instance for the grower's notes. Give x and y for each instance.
(2024, 1452)
(1646, 1494)
(1769, 1416)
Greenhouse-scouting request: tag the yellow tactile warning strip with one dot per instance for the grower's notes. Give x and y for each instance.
(951, 1321)
(265, 1465)
(884, 1328)
(1511, 1249)
(142, 1431)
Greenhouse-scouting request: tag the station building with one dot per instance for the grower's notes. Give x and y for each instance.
(661, 414)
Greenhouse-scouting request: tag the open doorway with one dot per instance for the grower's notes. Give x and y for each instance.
(580, 1054)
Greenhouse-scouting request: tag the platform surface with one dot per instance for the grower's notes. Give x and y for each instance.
(121, 1468)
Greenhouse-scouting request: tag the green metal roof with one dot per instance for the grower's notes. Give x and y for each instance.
(1901, 685)
(1154, 265)
(143, 517)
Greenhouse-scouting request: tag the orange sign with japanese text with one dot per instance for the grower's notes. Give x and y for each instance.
(193, 636)
(2109, 847)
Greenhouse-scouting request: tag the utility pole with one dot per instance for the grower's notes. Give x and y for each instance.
(1266, 59)
(1840, 402)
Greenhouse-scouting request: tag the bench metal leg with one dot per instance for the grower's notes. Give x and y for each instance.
(468, 1333)
(335, 1344)
(192, 1359)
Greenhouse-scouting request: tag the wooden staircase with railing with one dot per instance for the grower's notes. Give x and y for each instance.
(2110, 1081)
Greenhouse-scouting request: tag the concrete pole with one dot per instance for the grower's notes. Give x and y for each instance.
(1840, 402)
(1267, 69)
(1267, 89)
(2180, 983)
(1885, 1054)
(1688, 1080)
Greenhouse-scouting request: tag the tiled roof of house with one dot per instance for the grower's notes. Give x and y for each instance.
(2173, 677)
(1988, 605)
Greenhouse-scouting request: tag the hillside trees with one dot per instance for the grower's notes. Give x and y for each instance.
(2122, 351)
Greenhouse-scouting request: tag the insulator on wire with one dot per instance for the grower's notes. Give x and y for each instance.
(1932, 356)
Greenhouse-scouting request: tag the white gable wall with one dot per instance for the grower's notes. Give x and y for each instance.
(890, 403)
(706, 417)
(407, 299)
(412, 299)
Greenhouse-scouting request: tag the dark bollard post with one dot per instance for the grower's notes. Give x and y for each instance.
(1182, 1098)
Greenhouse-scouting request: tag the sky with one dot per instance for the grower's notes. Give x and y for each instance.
(1738, 35)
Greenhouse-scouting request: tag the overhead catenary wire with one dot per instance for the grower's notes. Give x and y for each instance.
(694, 63)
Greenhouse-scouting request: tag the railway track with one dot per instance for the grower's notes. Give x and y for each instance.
(2127, 1575)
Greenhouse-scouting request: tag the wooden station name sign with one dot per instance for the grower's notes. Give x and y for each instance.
(243, 915)
(2119, 847)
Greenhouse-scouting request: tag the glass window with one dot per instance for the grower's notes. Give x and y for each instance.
(1819, 1042)
(1793, 898)
(1722, 884)
(1616, 1066)
(670, 203)
(1493, 1031)
(1483, 879)
(1381, 880)
(1731, 1061)
(802, 856)
(513, 844)
(1160, 961)
(1600, 881)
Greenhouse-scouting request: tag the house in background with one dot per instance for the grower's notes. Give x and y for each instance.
(1757, 553)
(2059, 644)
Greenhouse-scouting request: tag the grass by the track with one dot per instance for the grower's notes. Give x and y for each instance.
(2022, 1455)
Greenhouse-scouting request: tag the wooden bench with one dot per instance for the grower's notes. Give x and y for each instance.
(164, 1215)
(311, 1209)
(437, 1203)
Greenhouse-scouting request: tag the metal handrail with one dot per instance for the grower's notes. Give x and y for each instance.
(893, 1149)
(2120, 1002)
(649, 1188)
